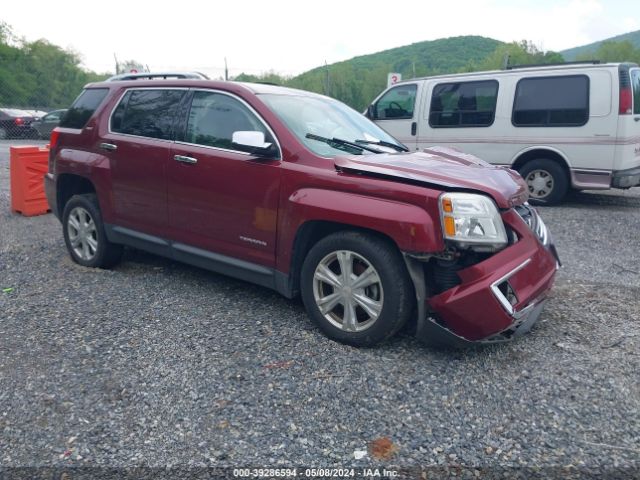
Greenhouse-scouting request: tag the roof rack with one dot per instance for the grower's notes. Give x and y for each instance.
(157, 76)
(555, 64)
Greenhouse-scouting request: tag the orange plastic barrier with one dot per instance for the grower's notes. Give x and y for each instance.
(27, 167)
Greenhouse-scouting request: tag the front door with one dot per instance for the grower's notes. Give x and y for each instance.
(396, 112)
(222, 199)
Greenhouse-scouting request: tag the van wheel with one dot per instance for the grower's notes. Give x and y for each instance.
(546, 181)
(84, 233)
(356, 289)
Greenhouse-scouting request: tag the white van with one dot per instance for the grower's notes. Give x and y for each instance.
(575, 125)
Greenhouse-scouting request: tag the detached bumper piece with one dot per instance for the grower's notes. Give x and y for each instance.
(430, 331)
(498, 299)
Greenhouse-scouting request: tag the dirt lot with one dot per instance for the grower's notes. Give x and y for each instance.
(160, 364)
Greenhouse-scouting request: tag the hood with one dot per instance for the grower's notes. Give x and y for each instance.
(445, 168)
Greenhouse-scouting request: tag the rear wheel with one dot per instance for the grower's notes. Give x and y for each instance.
(84, 233)
(356, 288)
(546, 181)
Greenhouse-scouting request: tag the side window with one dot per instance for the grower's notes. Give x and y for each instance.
(51, 118)
(463, 104)
(397, 103)
(83, 107)
(147, 113)
(635, 82)
(214, 117)
(551, 102)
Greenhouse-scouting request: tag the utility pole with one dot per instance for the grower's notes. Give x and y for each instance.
(117, 65)
(505, 61)
(226, 70)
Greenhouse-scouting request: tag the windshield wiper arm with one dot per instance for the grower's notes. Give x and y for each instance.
(382, 143)
(340, 144)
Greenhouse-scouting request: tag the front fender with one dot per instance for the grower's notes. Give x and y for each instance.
(411, 227)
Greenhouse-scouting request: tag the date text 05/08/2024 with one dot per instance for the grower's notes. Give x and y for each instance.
(314, 473)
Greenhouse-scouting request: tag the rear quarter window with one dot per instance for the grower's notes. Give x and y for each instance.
(83, 108)
(551, 102)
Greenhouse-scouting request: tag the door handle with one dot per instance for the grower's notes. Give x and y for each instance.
(637, 119)
(108, 146)
(183, 159)
(414, 128)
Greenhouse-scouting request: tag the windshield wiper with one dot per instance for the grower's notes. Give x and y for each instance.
(382, 143)
(340, 144)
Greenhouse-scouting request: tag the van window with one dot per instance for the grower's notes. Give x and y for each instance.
(463, 104)
(551, 102)
(214, 117)
(147, 113)
(398, 103)
(635, 81)
(83, 107)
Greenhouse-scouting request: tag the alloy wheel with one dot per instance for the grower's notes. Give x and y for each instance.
(83, 234)
(348, 291)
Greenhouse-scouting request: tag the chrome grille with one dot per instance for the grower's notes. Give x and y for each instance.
(533, 220)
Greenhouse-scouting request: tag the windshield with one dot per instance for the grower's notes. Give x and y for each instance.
(310, 118)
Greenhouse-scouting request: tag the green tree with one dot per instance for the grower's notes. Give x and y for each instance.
(613, 52)
(39, 74)
(515, 53)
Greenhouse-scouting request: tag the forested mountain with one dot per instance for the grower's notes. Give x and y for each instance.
(357, 81)
(585, 50)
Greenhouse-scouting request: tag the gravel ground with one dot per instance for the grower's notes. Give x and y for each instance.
(162, 365)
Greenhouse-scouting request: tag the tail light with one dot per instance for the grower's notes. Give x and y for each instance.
(53, 140)
(626, 98)
(18, 121)
(53, 143)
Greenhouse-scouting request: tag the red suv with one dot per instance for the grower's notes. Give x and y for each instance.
(299, 193)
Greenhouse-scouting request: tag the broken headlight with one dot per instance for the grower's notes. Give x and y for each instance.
(472, 221)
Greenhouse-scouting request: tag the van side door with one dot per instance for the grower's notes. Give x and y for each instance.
(397, 112)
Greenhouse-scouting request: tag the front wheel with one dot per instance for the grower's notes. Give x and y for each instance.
(546, 181)
(356, 289)
(84, 233)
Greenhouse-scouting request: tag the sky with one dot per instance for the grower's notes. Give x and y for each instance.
(289, 37)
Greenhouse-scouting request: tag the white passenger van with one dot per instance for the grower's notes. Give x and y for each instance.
(574, 125)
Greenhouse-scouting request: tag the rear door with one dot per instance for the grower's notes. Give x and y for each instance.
(628, 141)
(396, 111)
(138, 144)
(221, 198)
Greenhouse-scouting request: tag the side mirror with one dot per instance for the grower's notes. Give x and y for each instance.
(370, 113)
(252, 141)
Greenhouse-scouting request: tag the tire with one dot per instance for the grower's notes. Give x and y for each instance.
(84, 233)
(546, 181)
(382, 300)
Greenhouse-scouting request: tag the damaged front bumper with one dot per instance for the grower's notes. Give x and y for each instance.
(498, 299)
